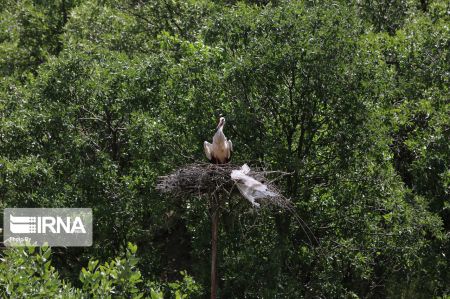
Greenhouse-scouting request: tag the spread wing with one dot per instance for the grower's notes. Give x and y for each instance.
(207, 147)
(230, 149)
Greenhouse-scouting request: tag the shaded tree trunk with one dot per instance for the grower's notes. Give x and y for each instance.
(214, 230)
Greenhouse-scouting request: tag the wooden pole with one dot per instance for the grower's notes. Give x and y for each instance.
(214, 229)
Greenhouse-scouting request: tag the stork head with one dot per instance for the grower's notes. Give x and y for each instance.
(221, 122)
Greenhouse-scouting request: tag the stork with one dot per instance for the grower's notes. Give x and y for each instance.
(219, 152)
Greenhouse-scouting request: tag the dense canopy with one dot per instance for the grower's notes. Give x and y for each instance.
(100, 98)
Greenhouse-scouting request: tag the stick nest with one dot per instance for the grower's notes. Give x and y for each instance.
(206, 179)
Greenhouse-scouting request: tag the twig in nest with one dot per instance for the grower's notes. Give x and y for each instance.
(205, 179)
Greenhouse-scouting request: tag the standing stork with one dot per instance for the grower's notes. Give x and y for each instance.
(219, 152)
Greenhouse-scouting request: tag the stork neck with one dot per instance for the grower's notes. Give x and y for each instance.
(219, 136)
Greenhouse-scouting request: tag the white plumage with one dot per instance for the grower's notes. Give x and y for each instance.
(220, 150)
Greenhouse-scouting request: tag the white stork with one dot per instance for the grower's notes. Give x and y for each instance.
(219, 152)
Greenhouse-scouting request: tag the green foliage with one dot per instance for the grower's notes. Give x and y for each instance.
(99, 98)
(26, 273)
(31, 33)
(119, 277)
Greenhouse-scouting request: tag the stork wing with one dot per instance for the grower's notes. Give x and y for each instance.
(230, 149)
(207, 147)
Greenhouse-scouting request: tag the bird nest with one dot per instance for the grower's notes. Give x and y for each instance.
(206, 179)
